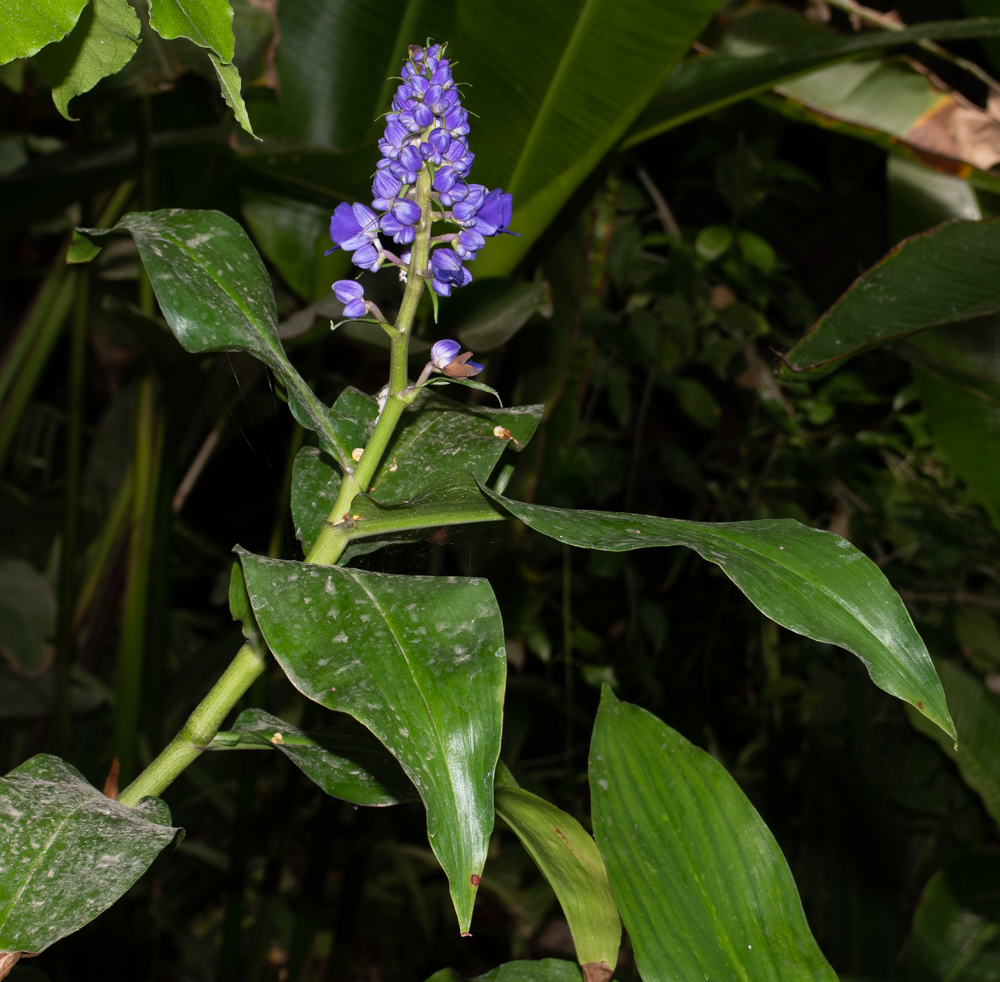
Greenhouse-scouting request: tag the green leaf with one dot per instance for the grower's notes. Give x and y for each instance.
(315, 486)
(703, 888)
(698, 402)
(543, 970)
(66, 852)
(454, 500)
(288, 233)
(27, 616)
(420, 661)
(105, 38)
(757, 252)
(26, 28)
(25, 696)
(215, 294)
(333, 60)
(586, 72)
(436, 437)
(958, 372)
(949, 274)
(567, 855)
(713, 241)
(231, 88)
(209, 23)
(810, 581)
(486, 314)
(977, 718)
(955, 926)
(239, 605)
(345, 760)
(702, 85)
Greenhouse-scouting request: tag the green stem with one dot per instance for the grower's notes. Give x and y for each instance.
(67, 563)
(248, 664)
(201, 727)
(132, 651)
(334, 535)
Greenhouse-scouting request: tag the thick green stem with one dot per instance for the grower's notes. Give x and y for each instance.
(201, 727)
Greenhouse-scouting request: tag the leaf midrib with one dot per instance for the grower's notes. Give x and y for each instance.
(721, 930)
(434, 724)
(541, 120)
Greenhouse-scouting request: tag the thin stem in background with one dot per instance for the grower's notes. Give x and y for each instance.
(128, 689)
(65, 645)
(35, 356)
(567, 606)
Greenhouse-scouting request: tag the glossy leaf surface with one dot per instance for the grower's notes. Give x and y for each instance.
(702, 886)
(209, 23)
(27, 27)
(454, 500)
(66, 852)
(594, 67)
(702, 85)
(420, 661)
(570, 860)
(958, 372)
(542, 970)
(977, 718)
(315, 486)
(215, 294)
(345, 760)
(231, 88)
(946, 275)
(436, 437)
(27, 616)
(810, 581)
(103, 41)
(955, 934)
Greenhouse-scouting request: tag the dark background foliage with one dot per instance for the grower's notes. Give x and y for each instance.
(655, 367)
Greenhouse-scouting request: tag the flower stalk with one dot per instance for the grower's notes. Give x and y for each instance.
(420, 180)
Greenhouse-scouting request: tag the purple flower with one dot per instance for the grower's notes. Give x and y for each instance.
(467, 243)
(401, 234)
(352, 226)
(406, 212)
(445, 179)
(443, 352)
(351, 294)
(368, 257)
(385, 187)
(448, 272)
(495, 212)
(445, 358)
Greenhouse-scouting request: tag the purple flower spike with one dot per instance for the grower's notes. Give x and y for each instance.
(443, 352)
(351, 294)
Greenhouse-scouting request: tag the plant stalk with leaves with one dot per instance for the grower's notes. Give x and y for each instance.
(419, 661)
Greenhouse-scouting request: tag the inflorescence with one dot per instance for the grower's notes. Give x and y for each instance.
(427, 129)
